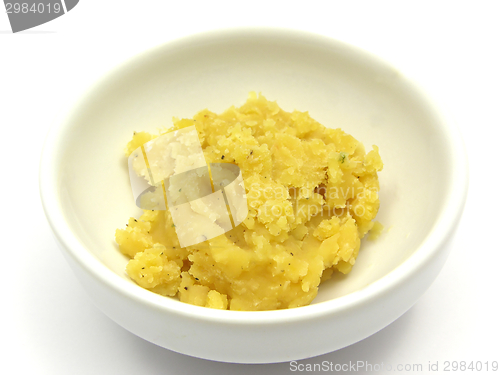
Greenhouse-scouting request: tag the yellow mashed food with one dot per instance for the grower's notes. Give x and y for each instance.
(312, 193)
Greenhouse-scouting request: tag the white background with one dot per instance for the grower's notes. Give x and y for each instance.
(48, 324)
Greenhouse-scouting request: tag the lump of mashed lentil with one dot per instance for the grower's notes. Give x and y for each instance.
(312, 194)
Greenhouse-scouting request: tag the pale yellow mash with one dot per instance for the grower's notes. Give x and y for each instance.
(312, 193)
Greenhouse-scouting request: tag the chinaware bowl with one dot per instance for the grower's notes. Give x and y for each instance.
(86, 194)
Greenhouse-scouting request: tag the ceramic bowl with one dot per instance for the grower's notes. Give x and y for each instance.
(86, 193)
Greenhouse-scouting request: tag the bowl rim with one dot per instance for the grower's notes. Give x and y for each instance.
(448, 220)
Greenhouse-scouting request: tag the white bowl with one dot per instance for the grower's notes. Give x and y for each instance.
(86, 194)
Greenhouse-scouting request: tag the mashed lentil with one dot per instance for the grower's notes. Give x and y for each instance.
(312, 193)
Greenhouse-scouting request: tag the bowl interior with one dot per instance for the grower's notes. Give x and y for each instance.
(338, 85)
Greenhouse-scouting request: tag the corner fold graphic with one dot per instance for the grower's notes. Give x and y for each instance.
(27, 14)
(70, 4)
